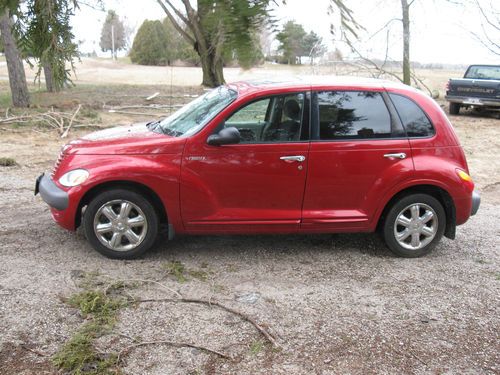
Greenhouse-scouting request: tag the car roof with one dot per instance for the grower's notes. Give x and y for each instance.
(313, 82)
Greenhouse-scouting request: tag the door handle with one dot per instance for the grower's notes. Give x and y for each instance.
(291, 159)
(400, 155)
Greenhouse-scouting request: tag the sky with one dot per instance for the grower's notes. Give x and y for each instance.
(441, 31)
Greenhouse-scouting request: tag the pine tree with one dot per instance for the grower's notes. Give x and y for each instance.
(113, 34)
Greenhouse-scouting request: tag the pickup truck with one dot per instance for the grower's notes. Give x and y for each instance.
(480, 88)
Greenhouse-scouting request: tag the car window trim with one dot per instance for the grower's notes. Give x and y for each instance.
(315, 134)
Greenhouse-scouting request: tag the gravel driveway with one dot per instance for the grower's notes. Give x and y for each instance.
(335, 303)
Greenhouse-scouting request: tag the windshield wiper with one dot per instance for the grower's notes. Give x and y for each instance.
(171, 132)
(153, 125)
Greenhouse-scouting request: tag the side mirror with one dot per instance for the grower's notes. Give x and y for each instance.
(227, 136)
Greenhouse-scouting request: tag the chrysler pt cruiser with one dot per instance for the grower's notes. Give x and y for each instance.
(346, 155)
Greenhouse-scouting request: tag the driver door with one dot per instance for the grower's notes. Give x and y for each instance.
(256, 185)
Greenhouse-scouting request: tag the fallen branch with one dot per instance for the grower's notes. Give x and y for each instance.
(35, 351)
(147, 281)
(51, 118)
(126, 350)
(133, 113)
(259, 328)
(151, 97)
(65, 134)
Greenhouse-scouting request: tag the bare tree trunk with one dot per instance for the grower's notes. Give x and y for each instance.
(406, 42)
(212, 68)
(49, 78)
(209, 50)
(17, 77)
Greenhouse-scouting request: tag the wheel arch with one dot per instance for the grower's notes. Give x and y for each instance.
(435, 191)
(138, 187)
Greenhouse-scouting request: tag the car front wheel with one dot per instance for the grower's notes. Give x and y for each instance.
(120, 224)
(414, 225)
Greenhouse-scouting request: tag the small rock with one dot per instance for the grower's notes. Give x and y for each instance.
(249, 298)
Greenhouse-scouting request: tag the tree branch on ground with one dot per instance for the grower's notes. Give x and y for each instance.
(128, 349)
(245, 317)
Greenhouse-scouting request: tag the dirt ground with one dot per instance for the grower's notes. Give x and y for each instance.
(336, 303)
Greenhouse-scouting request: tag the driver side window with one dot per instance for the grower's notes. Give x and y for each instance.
(272, 119)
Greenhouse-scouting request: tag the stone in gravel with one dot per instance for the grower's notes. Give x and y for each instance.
(249, 298)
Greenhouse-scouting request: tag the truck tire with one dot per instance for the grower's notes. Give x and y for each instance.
(454, 108)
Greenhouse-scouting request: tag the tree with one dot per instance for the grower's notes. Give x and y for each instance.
(215, 27)
(405, 7)
(113, 35)
(489, 36)
(150, 45)
(46, 35)
(292, 45)
(177, 47)
(313, 46)
(17, 77)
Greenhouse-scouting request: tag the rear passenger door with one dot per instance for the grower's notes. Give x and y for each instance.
(359, 151)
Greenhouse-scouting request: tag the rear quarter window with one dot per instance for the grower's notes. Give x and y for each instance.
(414, 119)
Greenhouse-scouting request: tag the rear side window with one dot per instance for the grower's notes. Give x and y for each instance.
(412, 116)
(353, 115)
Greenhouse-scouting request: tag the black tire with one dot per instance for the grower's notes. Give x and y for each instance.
(426, 204)
(143, 208)
(454, 108)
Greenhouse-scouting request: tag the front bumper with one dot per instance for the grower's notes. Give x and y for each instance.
(476, 201)
(51, 193)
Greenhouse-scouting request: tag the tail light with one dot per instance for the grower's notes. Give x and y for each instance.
(448, 86)
(466, 179)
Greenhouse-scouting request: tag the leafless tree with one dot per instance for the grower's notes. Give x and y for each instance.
(489, 36)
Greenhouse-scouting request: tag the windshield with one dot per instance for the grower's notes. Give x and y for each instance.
(195, 115)
(483, 72)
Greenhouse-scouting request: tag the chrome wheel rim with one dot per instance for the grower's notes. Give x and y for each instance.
(120, 225)
(416, 226)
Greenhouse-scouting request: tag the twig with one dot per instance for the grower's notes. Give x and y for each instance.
(91, 126)
(133, 113)
(65, 134)
(171, 343)
(259, 328)
(37, 352)
(151, 97)
(147, 281)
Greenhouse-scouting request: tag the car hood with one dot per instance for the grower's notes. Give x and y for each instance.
(122, 140)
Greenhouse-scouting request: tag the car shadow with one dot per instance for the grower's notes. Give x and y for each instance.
(272, 245)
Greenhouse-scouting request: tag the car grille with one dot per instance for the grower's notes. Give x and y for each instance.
(57, 164)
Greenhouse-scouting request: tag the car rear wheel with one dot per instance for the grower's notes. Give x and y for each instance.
(454, 108)
(120, 224)
(414, 225)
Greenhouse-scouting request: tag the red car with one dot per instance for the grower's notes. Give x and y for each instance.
(268, 157)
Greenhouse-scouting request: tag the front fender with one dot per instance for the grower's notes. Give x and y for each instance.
(158, 172)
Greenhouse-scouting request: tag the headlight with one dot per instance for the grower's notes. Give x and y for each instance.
(74, 178)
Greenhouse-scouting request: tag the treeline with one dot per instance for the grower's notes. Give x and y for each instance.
(159, 43)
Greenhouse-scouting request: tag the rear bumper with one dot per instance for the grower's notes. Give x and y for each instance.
(481, 102)
(51, 193)
(476, 201)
